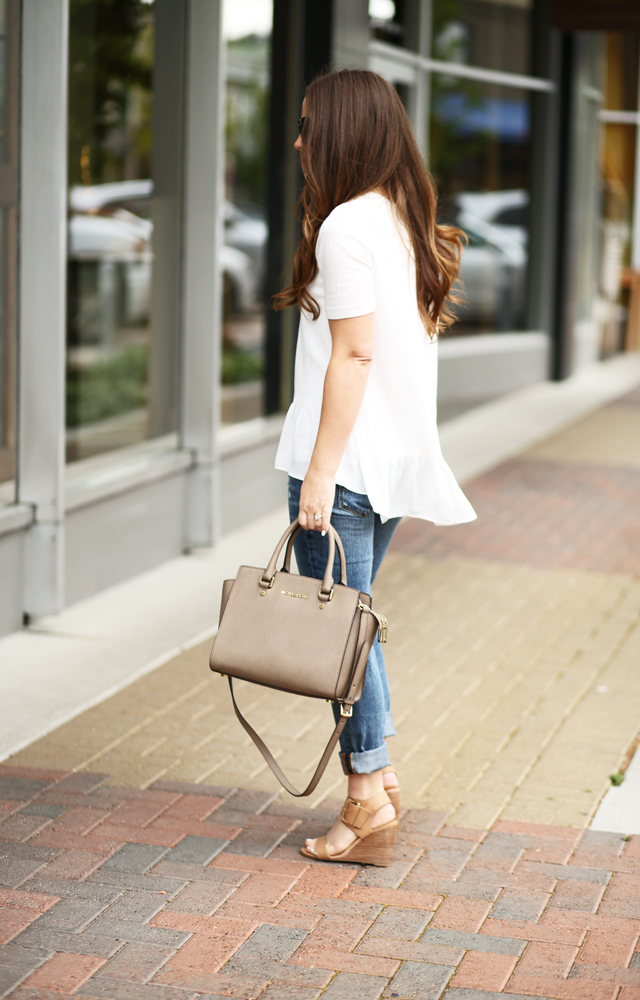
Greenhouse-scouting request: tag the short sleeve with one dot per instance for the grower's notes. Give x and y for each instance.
(345, 265)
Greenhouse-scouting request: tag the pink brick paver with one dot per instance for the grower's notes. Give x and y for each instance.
(192, 917)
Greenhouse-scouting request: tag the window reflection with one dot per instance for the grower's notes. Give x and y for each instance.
(479, 155)
(247, 26)
(494, 34)
(617, 179)
(123, 58)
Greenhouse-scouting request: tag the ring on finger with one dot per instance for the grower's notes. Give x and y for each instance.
(317, 517)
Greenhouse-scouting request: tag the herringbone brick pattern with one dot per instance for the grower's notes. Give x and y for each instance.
(182, 891)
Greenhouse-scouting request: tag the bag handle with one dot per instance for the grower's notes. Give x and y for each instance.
(326, 590)
(345, 713)
(286, 566)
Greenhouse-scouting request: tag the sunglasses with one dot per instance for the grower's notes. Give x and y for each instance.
(301, 122)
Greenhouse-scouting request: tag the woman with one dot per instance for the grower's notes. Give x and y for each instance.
(371, 277)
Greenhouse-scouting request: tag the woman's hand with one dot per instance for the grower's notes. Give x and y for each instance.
(316, 497)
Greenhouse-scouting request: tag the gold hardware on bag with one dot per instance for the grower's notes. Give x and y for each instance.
(262, 593)
(382, 631)
(291, 593)
(321, 606)
(346, 710)
(381, 620)
(323, 598)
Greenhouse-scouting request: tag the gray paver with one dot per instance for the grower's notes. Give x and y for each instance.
(420, 981)
(33, 852)
(42, 809)
(103, 990)
(133, 907)
(384, 878)
(473, 888)
(21, 789)
(65, 888)
(271, 944)
(102, 946)
(516, 904)
(134, 858)
(135, 963)
(474, 942)
(15, 871)
(133, 880)
(599, 875)
(10, 977)
(349, 986)
(276, 972)
(400, 924)
(261, 836)
(196, 850)
(71, 914)
(280, 991)
(121, 933)
(198, 873)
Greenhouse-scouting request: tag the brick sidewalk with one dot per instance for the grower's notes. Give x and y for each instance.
(182, 891)
(513, 663)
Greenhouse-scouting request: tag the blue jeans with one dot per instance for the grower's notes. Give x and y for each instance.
(365, 539)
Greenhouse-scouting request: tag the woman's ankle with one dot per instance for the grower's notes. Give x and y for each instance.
(365, 786)
(390, 779)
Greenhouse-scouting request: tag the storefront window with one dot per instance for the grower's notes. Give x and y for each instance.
(480, 155)
(618, 148)
(247, 27)
(395, 22)
(493, 34)
(125, 77)
(9, 14)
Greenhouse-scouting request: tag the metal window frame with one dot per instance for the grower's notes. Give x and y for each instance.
(42, 296)
(202, 279)
(423, 62)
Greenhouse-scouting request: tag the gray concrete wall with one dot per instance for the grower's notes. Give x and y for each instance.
(12, 555)
(473, 369)
(111, 540)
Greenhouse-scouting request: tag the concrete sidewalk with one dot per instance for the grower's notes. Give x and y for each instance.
(62, 665)
(147, 852)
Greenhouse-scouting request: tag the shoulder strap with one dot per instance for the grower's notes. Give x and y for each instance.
(361, 663)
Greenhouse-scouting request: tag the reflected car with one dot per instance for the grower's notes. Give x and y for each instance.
(507, 211)
(110, 248)
(243, 232)
(492, 273)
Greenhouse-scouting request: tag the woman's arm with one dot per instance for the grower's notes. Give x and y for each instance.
(344, 386)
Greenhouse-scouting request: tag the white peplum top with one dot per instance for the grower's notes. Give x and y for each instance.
(393, 456)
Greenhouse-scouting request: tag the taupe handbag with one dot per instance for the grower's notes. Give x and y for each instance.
(296, 634)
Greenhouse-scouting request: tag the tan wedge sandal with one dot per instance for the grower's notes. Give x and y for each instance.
(393, 793)
(371, 846)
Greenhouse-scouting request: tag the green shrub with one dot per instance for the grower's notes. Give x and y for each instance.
(108, 387)
(240, 366)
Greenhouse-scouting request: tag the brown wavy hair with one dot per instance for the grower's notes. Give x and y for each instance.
(356, 138)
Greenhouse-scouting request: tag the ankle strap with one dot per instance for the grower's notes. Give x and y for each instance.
(357, 815)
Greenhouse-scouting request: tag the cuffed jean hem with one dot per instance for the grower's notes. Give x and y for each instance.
(389, 728)
(365, 762)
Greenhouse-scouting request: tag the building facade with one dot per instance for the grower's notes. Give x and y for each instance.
(148, 186)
